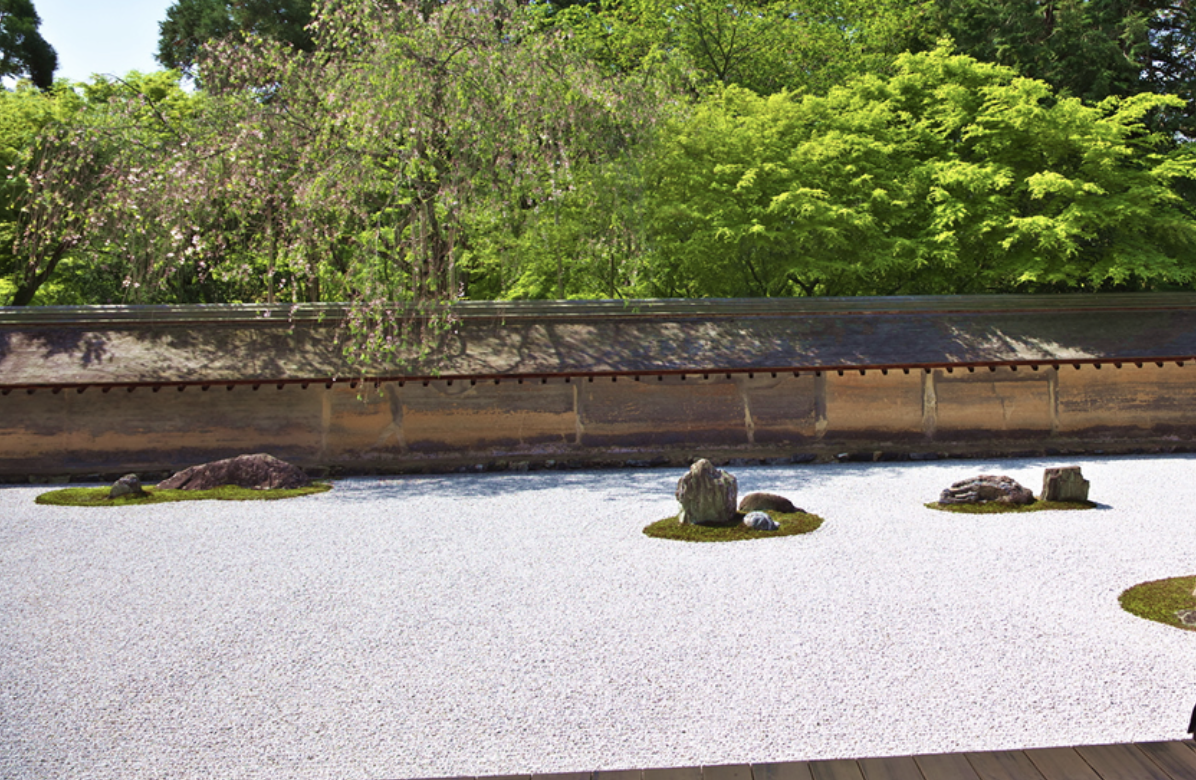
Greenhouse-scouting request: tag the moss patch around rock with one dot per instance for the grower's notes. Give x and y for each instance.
(98, 496)
(993, 508)
(1160, 600)
(791, 524)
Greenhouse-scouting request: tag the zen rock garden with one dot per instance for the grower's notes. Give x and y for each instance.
(245, 477)
(1060, 485)
(254, 472)
(707, 497)
(711, 510)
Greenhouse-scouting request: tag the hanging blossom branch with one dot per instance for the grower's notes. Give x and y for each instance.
(361, 171)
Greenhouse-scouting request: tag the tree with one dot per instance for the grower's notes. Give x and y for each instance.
(764, 45)
(952, 176)
(23, 51)
(1090, 49)
(381, 168)
(439, 129)
(587, 243)
(190, 24)
(25, 112)
(90, 191)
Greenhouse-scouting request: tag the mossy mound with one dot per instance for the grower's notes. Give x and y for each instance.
(98, 496)
(1160, 600)
(994, 508)
(791, 524)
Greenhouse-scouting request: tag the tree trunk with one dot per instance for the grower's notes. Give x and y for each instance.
(29, 287)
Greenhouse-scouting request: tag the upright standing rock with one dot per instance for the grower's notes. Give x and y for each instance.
(707, 495)
(1064, 483)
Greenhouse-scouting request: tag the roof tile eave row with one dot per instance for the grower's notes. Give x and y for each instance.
(353, 381)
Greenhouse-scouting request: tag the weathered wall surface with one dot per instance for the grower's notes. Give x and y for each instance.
(444, 425)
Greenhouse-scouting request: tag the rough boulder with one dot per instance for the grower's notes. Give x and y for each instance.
(1064, 483)
(707, 495)
(128, 485)
(985, 489)
(259, 472)
(766, 502)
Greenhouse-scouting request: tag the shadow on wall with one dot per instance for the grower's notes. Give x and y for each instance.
(91, 348)
(207, 346)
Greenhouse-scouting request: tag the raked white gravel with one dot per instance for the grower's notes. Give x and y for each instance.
(415, 627)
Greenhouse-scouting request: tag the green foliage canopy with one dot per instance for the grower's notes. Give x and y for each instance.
(191, 24)
(421, 152)
(762, 45)
(86, 198)
(25, 113)
(1090, 49)
(952, 176)
(388, 165)
(23, 51)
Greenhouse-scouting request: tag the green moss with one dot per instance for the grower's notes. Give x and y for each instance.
(791, 524)
(98, 496)
(1159, 600)
(994, 508)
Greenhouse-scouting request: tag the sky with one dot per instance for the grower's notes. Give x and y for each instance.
(112, 37)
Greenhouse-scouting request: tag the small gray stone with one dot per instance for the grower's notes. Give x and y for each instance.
(128, 485)
(1064, 483)
(760, 521)
(987, 488)
(707, 495)
(1186, 616)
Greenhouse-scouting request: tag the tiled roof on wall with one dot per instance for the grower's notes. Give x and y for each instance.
(134, 345)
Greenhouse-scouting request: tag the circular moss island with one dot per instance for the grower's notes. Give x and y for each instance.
(997, 508)
(98, 496)
(792, 523)
(1168, 601)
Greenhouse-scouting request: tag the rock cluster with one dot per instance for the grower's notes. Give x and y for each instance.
(987, 488)
(259, 472)
(707, 495)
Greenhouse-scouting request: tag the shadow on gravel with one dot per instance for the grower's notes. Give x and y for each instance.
(365, 489)
(657, 483)
(653, 484)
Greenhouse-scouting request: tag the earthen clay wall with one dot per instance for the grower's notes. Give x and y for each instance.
(446, 425)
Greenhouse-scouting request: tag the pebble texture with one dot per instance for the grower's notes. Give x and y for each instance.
(347, 635)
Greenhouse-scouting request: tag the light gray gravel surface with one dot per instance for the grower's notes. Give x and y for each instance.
(499, 623)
